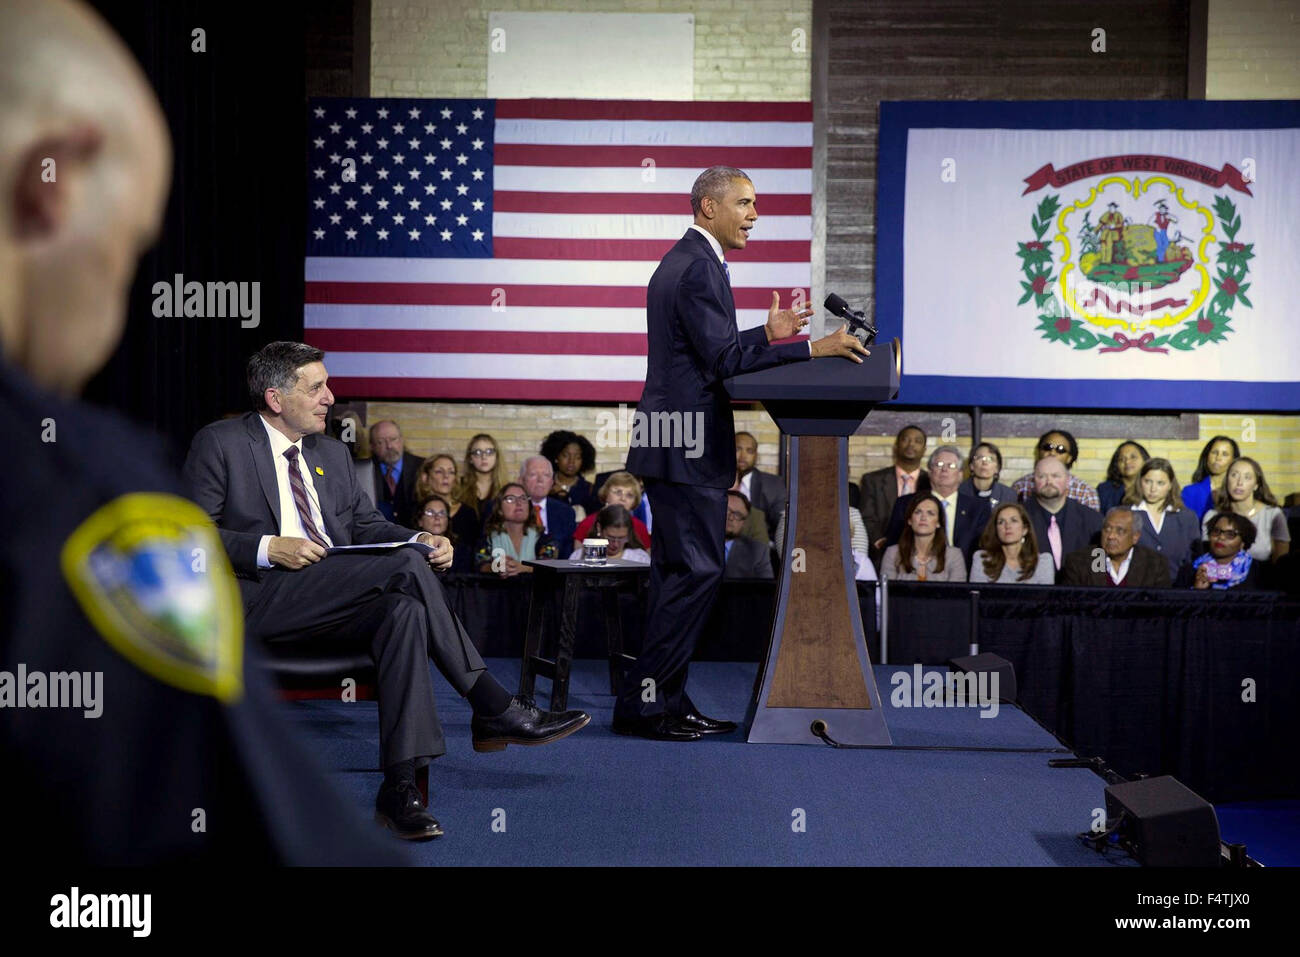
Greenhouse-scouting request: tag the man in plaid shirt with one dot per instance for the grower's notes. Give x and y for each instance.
(1059, 444)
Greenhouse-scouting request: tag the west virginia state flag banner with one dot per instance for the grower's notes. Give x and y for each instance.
(1092, 254)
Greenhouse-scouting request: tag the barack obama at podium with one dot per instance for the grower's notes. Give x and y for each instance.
(694, 346)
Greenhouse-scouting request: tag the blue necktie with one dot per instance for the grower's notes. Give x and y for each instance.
(726, 269)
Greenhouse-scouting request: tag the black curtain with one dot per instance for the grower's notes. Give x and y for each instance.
(236, 212)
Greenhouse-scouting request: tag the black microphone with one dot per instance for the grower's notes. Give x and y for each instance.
(859, 325)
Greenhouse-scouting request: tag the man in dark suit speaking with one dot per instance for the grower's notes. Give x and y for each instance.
(683, 443)
(281, 494)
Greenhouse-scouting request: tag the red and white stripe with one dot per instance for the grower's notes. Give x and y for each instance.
(588, 196)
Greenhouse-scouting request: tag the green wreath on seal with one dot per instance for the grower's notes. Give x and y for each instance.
(1211, 325)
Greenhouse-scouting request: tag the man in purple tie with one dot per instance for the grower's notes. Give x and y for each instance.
(282, 494)
(1062, 525)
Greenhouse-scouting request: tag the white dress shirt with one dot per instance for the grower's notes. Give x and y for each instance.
(1118, 576)
(290, 523)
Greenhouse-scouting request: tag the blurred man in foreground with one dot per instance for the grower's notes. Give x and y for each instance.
(130, 729)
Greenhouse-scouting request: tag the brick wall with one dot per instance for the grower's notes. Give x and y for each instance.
(744, 49)
(1253, 50)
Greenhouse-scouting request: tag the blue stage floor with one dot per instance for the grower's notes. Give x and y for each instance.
(600, 799)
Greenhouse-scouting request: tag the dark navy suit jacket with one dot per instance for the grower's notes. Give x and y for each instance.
(693, 346)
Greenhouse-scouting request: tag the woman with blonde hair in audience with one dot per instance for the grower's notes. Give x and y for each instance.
(1165, 523)
(485, 474)
(621, 488)
(513, 533)
(1008, 552)
(1246, 493)
(1212, 468)
(923, 552)
(438, 477)
(1121, 475)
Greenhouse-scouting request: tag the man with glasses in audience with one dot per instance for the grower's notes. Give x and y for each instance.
(1060, 445)
(1126, 563)
(964, 515)
(745, 558)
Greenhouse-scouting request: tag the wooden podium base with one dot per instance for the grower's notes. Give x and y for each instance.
(817, 665)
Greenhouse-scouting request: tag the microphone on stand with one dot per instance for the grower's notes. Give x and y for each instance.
(859, 325)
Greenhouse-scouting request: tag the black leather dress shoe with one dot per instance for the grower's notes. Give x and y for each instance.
(698, 722)
(399, 808)
(524, 723)
(661, 727)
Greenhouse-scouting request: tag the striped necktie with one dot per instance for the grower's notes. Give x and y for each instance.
(299, 489)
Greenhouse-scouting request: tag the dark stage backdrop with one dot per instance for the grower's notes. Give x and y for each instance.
(236, 211)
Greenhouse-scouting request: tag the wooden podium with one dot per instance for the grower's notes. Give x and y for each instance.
(817, 666)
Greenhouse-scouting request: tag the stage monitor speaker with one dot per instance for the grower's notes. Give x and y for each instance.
(1165, 823)
(992, 663)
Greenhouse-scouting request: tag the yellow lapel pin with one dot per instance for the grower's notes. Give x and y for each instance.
(319, 470)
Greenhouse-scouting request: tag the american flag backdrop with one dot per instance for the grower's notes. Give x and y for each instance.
(500, 249)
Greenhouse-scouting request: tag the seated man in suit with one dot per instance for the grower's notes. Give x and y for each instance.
(1062, 525)
(745, 558)
(881, 488)
(558, 518)
(965, 515)
(281, 494)
(764, 490)
(1120, 561)
(394, 472)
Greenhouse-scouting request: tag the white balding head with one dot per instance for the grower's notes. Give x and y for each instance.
(85, 162)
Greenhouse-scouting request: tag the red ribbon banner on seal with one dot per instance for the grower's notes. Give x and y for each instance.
(1137, 163)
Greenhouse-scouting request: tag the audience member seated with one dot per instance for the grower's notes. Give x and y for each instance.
(964, 515)
(570, 455)
(485, 473)
(555, 516)
(1122, 561)
(883, 487)
(1121, 475)
(1247, 494)
(433, 515)
(642, 510)
(621, 488)
(984, 468)
(1008, 552)
(1060, 525)
(1228, 563)
(864, 571)
(513, 527)
(1060, 445)
(1166, 524)
(923, 553)
(766, 492)
(745, 558)
(438, 477)
(1212, 468)
(393, 474)
(614, 523)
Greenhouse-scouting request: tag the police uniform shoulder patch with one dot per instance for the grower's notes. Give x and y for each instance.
(150, 573)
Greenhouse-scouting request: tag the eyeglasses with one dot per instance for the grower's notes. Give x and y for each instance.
(434, 514)
(738, 516)
(1224, 533)
(982, 459)
(516, 500)
(946, 466)
(482, 453)
(1058, 448)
